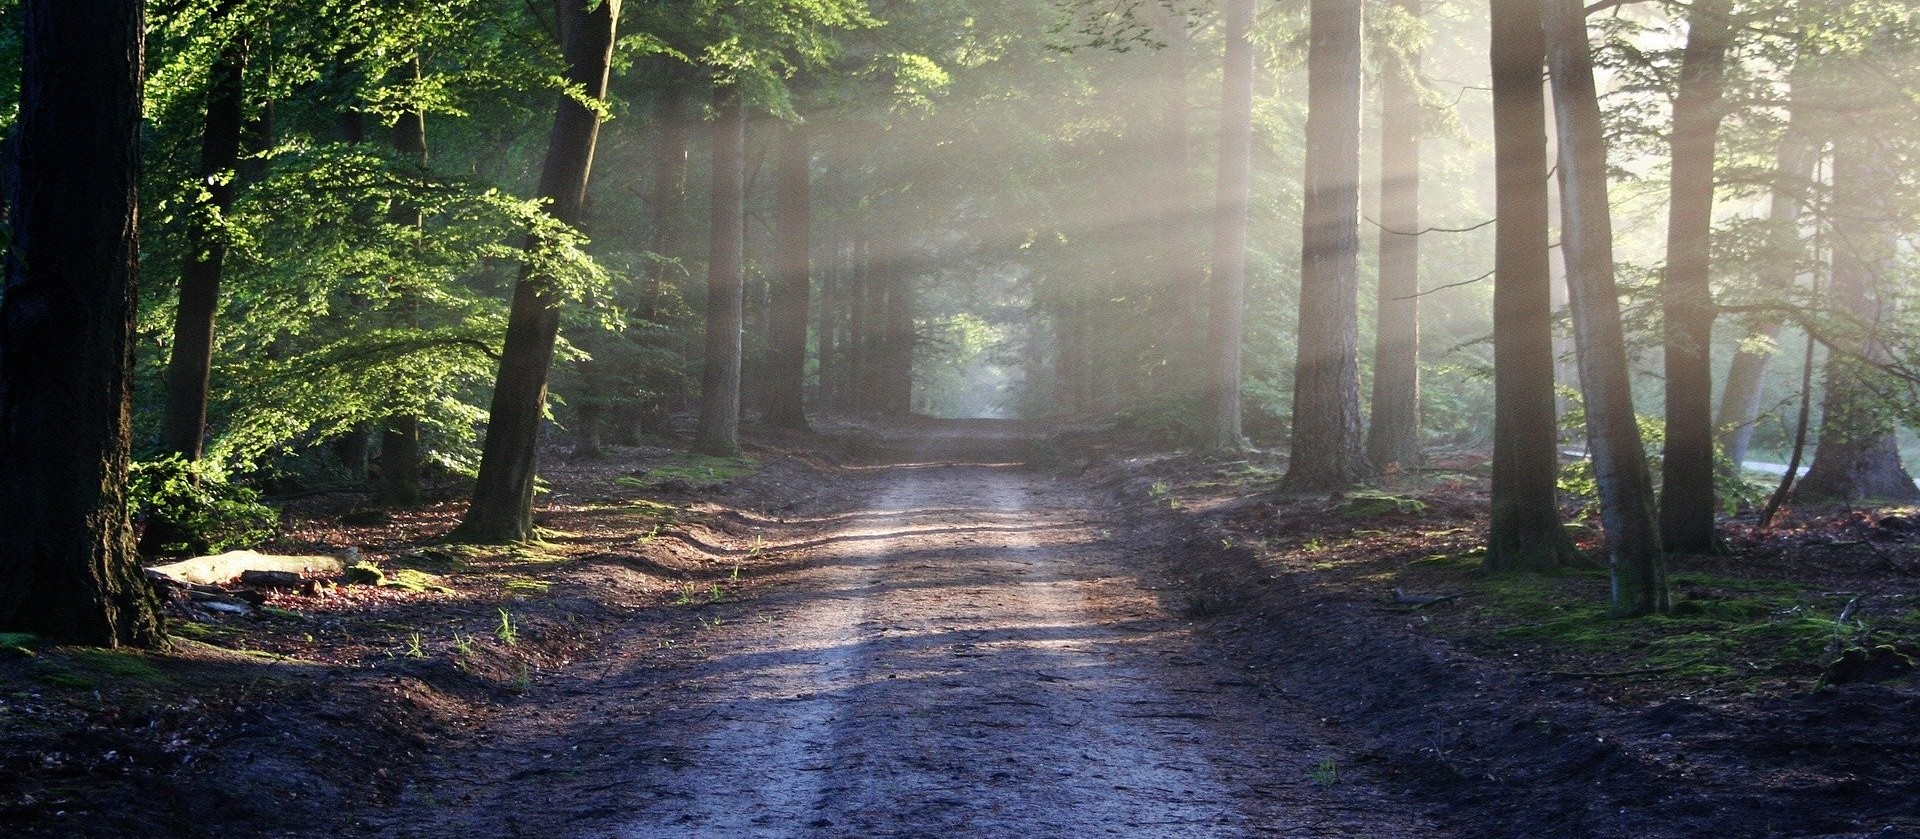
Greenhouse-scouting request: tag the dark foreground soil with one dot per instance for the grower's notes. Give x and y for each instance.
(904, 631)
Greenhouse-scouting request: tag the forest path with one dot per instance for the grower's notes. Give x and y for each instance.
(967, 653)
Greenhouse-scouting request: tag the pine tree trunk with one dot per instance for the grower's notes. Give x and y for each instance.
(1526, 533)
(1857, 456)
(1687, 485)
(789, 310)
(68, 571)
(1186, 293)
(184, 423)
(1393, 432)
(719, 432)
(1327, 452)
(502, 508)
(828, 347)
(1613, 433)
(1226, 302)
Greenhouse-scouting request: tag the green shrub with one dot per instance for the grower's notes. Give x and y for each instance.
(187, 507)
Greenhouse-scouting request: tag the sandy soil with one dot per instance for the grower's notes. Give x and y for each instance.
(956, 650)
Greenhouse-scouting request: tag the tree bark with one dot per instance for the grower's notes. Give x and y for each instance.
(189, 371)
(1327, 452)
(1226, 301)
(1856, 456)
(68, 570)
(502, 508)
(1613, 433)
(787, 364)
(1686, 293)
(1526, 533)
(1393, 431)
(719, 432)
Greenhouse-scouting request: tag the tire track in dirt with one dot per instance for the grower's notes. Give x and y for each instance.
(971, 656)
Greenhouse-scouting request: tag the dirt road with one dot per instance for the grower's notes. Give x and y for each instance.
(966, 652)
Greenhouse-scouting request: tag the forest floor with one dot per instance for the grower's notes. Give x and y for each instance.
(910, 631)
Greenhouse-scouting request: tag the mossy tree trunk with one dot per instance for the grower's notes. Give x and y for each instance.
(1613, 433)
(68, 570)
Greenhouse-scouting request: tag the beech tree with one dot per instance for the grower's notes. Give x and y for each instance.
(1613, 435)
(719, 432)
(1326, 451)
(1687, 492)
(1526, 533)
(68, 571)
(184, 428)
(1393, 428)
(786, 386)
(502, 506)
(1228, 285)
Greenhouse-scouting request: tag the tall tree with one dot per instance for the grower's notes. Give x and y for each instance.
(1613, 434)
(1393, 431)
(786, 385)
(1526, 533)
(68, 570)
(1785, 253)
(400, 433)
(1228, 291)
(1326, 449)
(184, 423)
(502, 508)
(1686, 295)
(719, 432)
(1857, 455)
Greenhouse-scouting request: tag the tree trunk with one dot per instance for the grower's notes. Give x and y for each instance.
(827, 348)
(1686, 293)
(352, 449)
(400, 434)
(1226, 303)
(502, 508)
(1327, 451)
(1786, 250)
(787, 361)
(1393, 432)
(1613, 433)
(1526, 533)
(896, 384)
(68, 571)
(719, 432)
(184, 423)
(1857, 456)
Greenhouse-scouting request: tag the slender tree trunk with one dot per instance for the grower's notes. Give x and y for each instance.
(502, 508)
(1613, 434)
(400, 433)
(68, 571)
(1793, 175)
(1326, 450)
(858, 350)
(1393, 433)
(184, 422)
(1686, 293)
(1526, 533)
(896, 387)
(1185, 278)
(827, 348)
(789, 312)
(719, 432)
(1234, 191)
(1857, 456)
